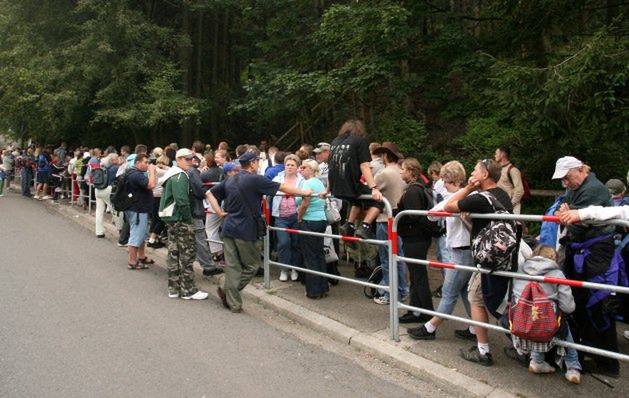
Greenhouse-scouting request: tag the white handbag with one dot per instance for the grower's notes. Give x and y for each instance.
(332, 213)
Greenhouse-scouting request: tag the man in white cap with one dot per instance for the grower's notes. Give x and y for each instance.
(322, 155)
(176, 210)
(590, 256)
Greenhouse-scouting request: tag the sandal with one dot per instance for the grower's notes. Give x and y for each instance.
(146, 261)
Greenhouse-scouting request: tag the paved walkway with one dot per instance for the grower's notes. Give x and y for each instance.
(347, 316)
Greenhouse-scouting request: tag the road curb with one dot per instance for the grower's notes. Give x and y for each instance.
(387, 351)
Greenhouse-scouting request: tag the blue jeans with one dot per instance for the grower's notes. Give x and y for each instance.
(443, 253)
(571, 358)
(287, 250)
(27, 176)
(381, 234)
(312, 249)
(455, 282)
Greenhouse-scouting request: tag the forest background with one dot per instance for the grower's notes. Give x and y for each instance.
(444, 79)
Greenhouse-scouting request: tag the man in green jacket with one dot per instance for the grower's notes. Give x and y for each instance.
(175, 209)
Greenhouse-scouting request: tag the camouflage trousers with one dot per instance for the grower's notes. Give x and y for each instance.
(181, 255)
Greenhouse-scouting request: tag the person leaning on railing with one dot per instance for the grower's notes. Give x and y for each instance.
(591, 256)
(242, 194)
(455, 281)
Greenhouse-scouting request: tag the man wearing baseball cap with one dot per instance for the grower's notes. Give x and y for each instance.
(176, 210)
(242, 196)
(590, 256)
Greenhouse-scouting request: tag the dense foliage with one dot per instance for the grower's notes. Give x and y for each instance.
(442, 78)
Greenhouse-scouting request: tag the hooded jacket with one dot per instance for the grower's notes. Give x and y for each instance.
(541, 266)
(174, 205)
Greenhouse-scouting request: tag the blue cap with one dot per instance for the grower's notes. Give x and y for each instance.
(229, 166)
(247, 157)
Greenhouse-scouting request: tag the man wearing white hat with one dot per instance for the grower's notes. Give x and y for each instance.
(590, 256)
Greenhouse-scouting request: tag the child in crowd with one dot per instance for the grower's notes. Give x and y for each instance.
(544, 263)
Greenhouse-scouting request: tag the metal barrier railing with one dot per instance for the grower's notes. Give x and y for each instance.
(392, 288)
(515, 217)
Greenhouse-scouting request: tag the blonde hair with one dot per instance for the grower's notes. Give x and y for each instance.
(313, 165)
(294, 158)
(453, 172)
(165, 160)
(546, 252)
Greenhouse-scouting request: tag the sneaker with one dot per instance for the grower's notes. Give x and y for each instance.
(382, 300)
(512, 353)
(365, 232)
(403, 297)
(473, 355)
(347, 229)
(573, 376)
(173, 294)
(409, 317)
(294, 275)
(155, 245)
(437, 292)
(46, 197)
(57, 189)
(541, 368)
(199, 295)
(626, 334)
(101, 236)
(36, 197)
(121, 244)
(420, 333)
(283, 276)
(465, 334)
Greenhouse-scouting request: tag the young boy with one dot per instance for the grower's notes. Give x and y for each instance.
(544, 263)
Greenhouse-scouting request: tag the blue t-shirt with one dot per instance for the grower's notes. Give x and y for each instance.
(43, 164)
(137, 182)
(316, 208)
(240, 222)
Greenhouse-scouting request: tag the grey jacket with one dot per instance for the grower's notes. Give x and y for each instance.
(541, 266)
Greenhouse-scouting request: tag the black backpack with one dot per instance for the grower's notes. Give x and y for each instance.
(100, 178)
(121, 198)
(432, 228)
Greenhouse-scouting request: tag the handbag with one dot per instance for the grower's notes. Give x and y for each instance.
(332, 213)
(328, 247)
(259, 220)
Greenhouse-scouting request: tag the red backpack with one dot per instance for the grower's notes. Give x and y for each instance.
(534, 317)
(525, 183)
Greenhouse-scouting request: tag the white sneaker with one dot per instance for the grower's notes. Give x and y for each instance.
(540, 368)
(199, 295)
(36, 197)
(173, 295)
(626, 334)
(46, 197)
(382, 300)
(283, 276)
(294, 275)
(573, 376)
(57, 189)
(1, 195)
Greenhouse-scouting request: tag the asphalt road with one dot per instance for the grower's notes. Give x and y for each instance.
(74, 322)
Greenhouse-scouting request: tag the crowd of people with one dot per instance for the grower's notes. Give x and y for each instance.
(204, 204)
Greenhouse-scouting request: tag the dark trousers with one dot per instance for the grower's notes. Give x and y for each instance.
(312, 249)
(124, 232)
(420, 289)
